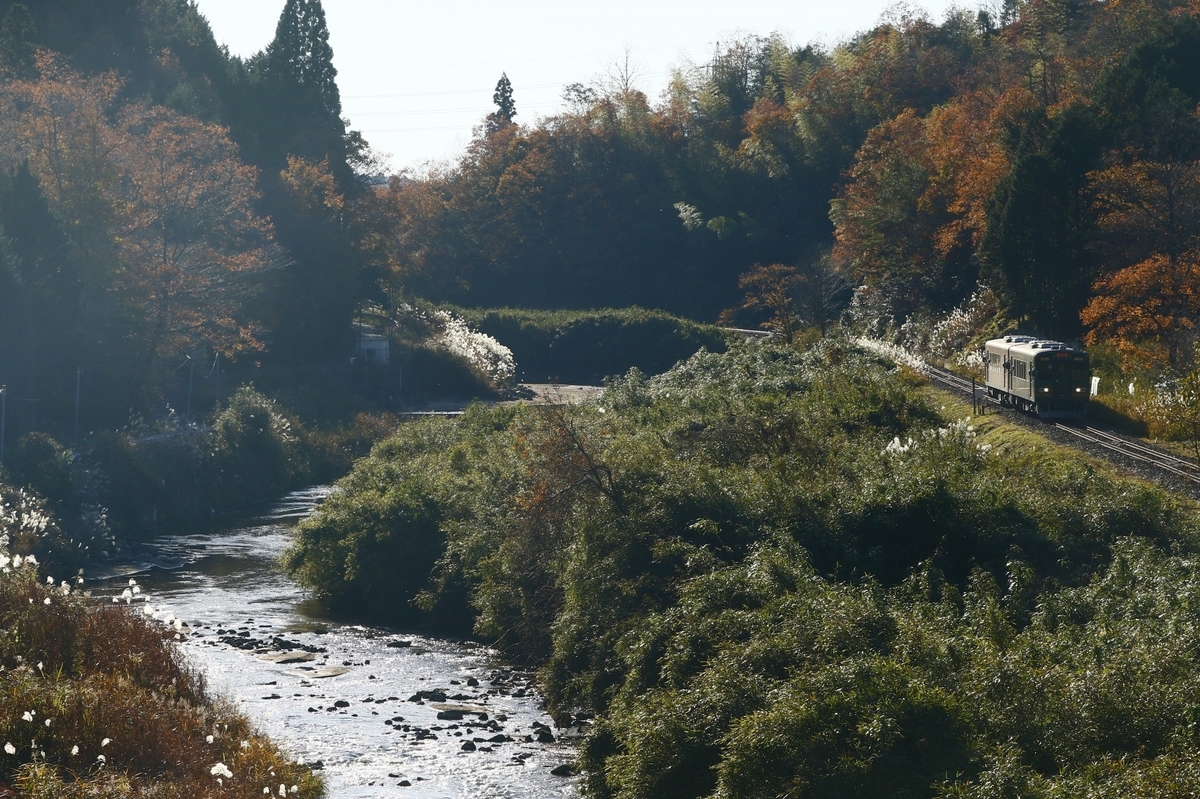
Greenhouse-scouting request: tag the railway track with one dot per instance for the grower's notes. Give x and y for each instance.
(1128, 448)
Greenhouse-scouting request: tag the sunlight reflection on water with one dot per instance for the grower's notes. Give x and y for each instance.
(229, 586)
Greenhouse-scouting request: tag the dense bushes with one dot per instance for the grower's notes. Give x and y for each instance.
(781, 573)
(773, 681)
(146, 476)
(587, 346)
(379, 537)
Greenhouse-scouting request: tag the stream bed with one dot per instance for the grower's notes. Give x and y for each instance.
(381, 713)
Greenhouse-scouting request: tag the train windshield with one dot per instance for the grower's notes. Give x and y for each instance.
(1063, 367)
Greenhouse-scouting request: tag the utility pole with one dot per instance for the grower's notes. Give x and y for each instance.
(75, 438)
(3, 415)
(187, 415)
(351, 374)
(218, 380)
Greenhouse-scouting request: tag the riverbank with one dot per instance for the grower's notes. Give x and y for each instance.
(379, 712)
(122, 486)
(96, 701)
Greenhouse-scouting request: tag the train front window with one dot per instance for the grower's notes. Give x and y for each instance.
(1062, 367)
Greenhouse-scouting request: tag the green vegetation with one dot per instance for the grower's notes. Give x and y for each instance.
(773, 572)
(97, 702)
(148, 476)
(587, 346)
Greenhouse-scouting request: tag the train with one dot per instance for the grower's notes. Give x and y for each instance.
(1049, 378)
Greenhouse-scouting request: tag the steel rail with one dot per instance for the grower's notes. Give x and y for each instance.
(1129, 449)
(1158, 460)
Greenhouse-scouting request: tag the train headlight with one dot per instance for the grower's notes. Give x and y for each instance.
(1079, 391)
(1046, 390)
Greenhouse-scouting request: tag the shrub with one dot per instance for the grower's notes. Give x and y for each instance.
(374, 543)
(770, 571)
(587, 346)
(45, 466)
(256, 453)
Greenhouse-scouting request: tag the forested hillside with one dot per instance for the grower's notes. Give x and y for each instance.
(1049, 151)
(162, 200)
(173, 216)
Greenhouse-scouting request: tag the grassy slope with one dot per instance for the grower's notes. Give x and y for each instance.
(586, 346)
(97, 701)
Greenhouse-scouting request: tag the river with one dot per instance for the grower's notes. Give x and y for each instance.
(361, 703)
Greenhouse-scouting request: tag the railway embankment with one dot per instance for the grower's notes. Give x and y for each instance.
(1134, 455)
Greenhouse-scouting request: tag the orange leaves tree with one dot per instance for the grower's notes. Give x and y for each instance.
(1149, 310)
(770, 291)
(190, 246)
(887, 219)
(1147, 202)
(160, 206)
(60, 123)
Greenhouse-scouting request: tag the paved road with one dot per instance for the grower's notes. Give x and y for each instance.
(530, 393)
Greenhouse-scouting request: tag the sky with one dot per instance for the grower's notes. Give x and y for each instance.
(417, 77)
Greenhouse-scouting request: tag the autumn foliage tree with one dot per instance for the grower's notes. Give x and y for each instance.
(62, 125)
(1147, 198)
(192, 250)
(162, 240)
(1150, 212)
(771, 292)
(1148, 310)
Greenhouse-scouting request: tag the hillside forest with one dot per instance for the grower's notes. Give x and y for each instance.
(170, 210)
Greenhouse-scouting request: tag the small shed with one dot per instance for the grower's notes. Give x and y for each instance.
(371, 347)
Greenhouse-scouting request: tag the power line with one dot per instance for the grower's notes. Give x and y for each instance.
(471, 109)
(419, 130)
(516, 88)
(438, 94)
(503, 62)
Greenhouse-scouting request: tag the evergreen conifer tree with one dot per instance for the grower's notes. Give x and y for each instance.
(506, 107)
(300, 52)
(311, 299)
(41, 333)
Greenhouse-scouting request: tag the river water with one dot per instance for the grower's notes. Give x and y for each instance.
(362, 702)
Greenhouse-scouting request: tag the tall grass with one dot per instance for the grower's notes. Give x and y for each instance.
(96, 700)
